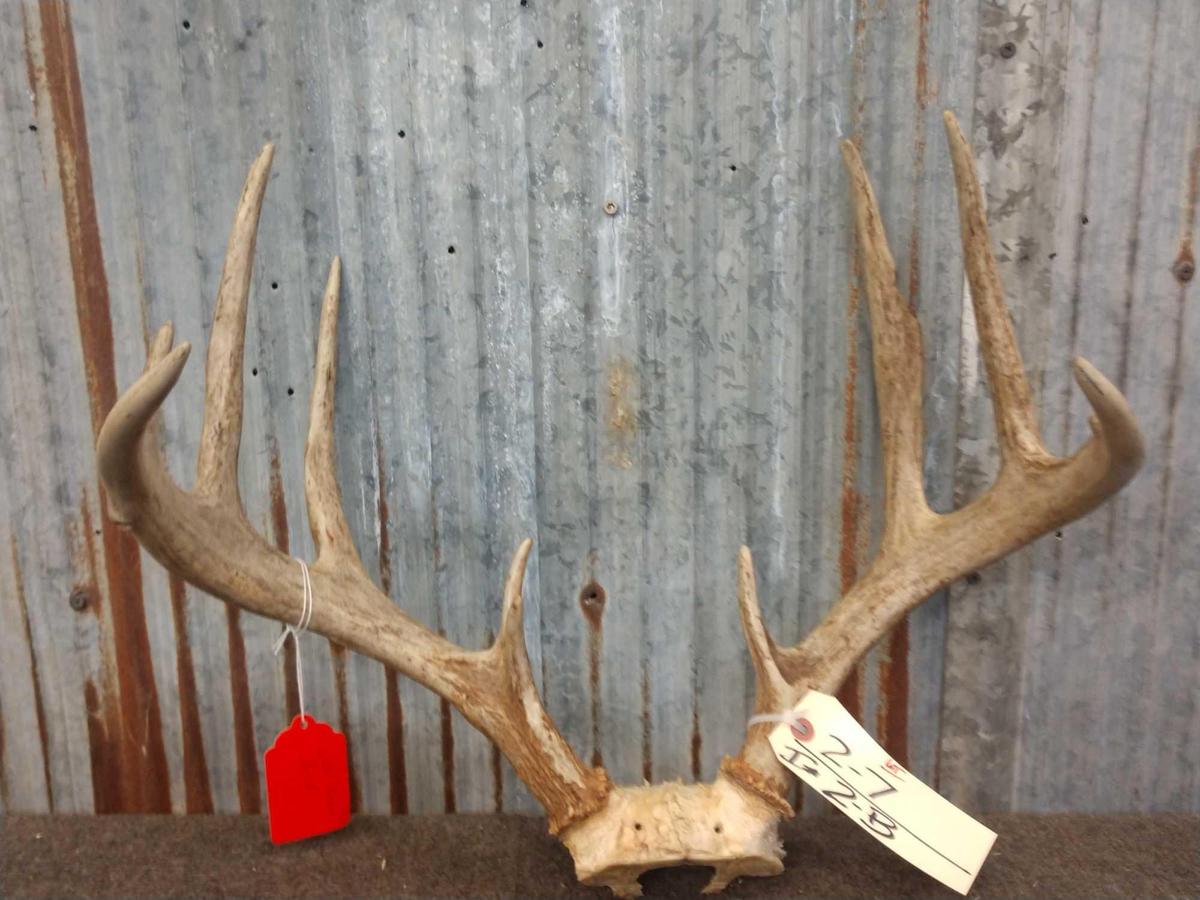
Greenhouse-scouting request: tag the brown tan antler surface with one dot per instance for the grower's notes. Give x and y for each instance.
(616, 833)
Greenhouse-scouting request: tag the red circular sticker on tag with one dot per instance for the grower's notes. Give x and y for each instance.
(802, 729)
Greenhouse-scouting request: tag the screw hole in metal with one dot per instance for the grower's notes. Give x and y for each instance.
(78, 600)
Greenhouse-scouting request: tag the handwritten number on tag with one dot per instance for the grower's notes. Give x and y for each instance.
(846, 793)
(830, 754)
(794, 752)
(883, 791)
(880, 823)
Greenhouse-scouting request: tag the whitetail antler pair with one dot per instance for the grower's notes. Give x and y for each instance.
(616, 833)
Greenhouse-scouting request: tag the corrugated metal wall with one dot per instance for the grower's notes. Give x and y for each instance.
(639, 392)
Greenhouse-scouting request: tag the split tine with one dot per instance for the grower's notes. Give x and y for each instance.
(326, 517)
(216, 468)
(160, 346)
(897, 354)
(1016, 423)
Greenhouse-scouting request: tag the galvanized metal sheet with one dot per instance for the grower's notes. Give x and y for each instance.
(599, 290)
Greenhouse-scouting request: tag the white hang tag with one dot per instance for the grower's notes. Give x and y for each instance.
(831, 753)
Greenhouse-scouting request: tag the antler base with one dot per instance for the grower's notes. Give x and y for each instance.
(655, 826)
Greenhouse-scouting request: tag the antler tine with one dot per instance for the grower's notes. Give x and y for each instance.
(510, 638)
(578, 790)
(899, 363)
(131, 468)
(160, 346)
(216, 467)
(157, 351)
(1016, 423)
(326, 514)
(772, 693)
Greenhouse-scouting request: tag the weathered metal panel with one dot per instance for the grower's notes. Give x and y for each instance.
(640, 387)
(1064, 678)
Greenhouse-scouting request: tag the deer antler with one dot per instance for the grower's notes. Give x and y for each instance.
(922, 551)
(616, 833)
(204, 536)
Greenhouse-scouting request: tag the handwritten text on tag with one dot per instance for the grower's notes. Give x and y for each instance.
(831, 753)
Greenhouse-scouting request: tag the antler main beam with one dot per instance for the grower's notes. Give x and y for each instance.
(616, 833)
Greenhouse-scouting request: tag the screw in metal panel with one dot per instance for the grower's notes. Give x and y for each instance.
(610, 207)
(78, 599)
(1009, 50)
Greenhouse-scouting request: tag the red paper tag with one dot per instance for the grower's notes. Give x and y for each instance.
(308, 781)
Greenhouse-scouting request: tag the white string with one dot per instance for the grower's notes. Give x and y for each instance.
(306, 613)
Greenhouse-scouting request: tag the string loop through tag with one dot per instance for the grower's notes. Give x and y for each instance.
(306, 613)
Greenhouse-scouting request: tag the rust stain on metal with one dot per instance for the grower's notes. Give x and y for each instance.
(144, 783)
(279, 520)
(397, 768)
(397, 774)
(922, 55)
(338, 653)
(851, 500)
(696, 742)
(4, 800)
(245, 752)
(647, 761)
(850, 693)
(103, 753)
(591, 601)
(33, 71)
(1175, 381)
(383, 516)
(922, 101)
(102, 749)
(283, 543)
(35, 678)
(448, 799)
(197, 790)
(497, 780)
(87, 532)
(859, 67)
(1184, 268)
(621, 414)
(892, 716)
(497, 768)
